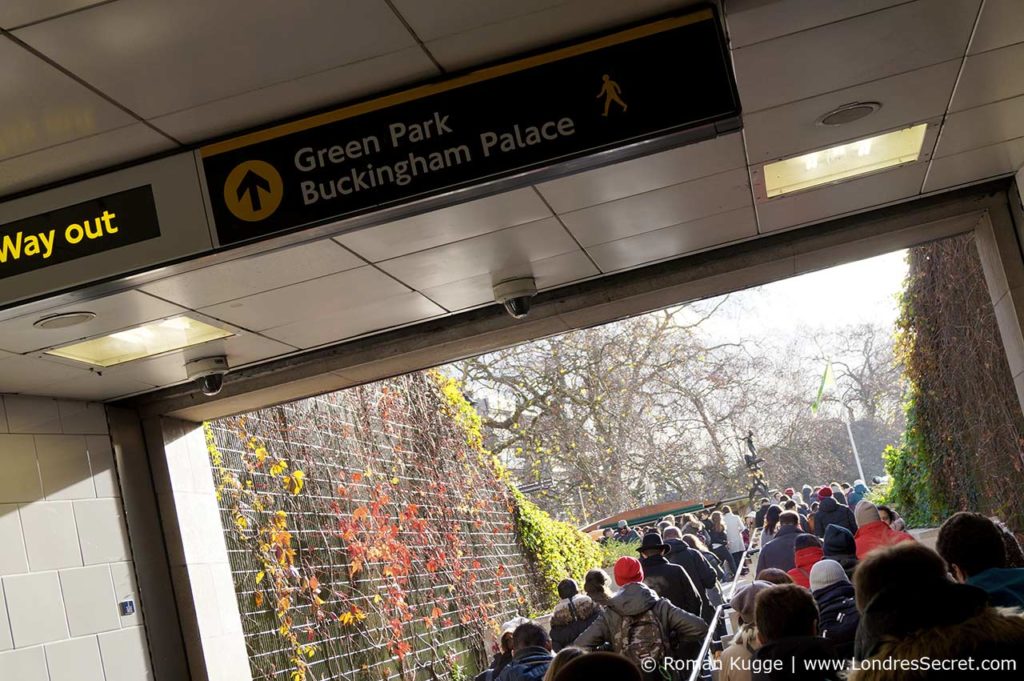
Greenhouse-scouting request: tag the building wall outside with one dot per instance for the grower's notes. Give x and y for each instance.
(65, 559)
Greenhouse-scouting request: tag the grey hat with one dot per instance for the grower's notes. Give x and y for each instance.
(743, 601)
(826, 572)
(623, 523)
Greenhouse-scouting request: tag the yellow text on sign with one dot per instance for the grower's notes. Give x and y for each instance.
(253, 190)
(21, 245)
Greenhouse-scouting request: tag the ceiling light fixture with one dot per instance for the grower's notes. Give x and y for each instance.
(848, 113)
(64, 320)
(145, 340)
(844, 161)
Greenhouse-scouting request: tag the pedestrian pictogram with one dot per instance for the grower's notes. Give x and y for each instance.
(253, 190)
(611, 92)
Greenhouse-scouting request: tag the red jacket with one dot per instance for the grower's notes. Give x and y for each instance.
(805, 559)
(876, 534)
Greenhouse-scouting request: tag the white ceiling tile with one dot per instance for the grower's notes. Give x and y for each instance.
(435, 18)
(675, 241)
(308, 300)
(839, 199)
(19, 374)
(146, 54)
(42, 107)
(93, 387)
(975, 165)
(906, 99)
(660, 208)
(497, 253)
(355, 321)
(14, 13)
(1001, 24)
(529, 31)
(114, 312)
(549, 273)
(446, 225)
(254, 274)
(644, 174)
(989, 77)
(80, 156)
(753, 21)
(982, 126)
(315, 91)
(857, 50)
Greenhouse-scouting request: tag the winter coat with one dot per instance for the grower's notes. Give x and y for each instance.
(778, 553)
(1004, 586)
(718, 539)
(630, 536)
(742, 649)
(876, 534)
(672, 582)
(734, 532)
(838, 617)
(805, 559)
(571, 618)
(858, 492)
(528, 664)
(600, 598)
(500, 661)
(830, 512)
(940, 620)
(841, 547)
(699, 570)
(801, 649)
(679, 626)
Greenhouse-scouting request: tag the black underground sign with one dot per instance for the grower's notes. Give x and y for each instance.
(72, 232)
(532, 113)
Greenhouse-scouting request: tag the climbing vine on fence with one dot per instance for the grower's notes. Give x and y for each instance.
(963, 445)
(372, 537)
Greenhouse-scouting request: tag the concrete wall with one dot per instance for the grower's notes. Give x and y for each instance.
(65, 559)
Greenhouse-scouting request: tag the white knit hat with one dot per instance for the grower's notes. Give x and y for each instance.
(826, 572)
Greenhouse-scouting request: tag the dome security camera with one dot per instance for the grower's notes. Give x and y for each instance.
(516, 295)
(208, 373)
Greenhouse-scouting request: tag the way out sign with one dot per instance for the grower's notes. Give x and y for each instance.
(72, 232)
(539, 112)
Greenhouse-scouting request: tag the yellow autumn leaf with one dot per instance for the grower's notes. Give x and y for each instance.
(294, 482)
(259, 576)
(279, 467)
(394, 480)
(261, 454)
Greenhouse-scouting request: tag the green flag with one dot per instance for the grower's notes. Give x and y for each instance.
(826, 380)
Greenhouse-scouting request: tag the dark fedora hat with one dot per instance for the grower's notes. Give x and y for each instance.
(652, 540)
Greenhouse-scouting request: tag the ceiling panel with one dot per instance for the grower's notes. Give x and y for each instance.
(14, 13)
(446, 225)
(561, 22)
(816, 205)
(906, 99)
(660, 208)
(357, 320)
(80, 156)
(644, 174)
(497, 253)
(316, 91)
(978, 164)
(753, 21)
(307, 301)
(1001, 24)
(93, 387)
(42, 107)
(146, 54)
(114, 312)
(982, 126)
(548, 273)
(255, 274)
(674, 241)
(989, 77)
(21, 373)
(435, 18)
(876, 45)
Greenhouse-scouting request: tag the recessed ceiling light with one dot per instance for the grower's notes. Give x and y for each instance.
(848, 113)
(146, 340)
(64, 320)
(844, 161)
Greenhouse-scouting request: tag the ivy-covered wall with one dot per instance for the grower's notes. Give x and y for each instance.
(962, 448)
(371, 537)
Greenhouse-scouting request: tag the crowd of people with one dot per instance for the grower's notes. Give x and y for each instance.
(837, 591)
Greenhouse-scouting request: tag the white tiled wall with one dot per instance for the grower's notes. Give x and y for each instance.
(65, 563)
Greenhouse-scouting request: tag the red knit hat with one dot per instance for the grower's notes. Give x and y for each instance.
(789, 491)
(628, 570)
(825, 491)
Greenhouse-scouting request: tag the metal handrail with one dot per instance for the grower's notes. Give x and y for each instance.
(713, 625)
